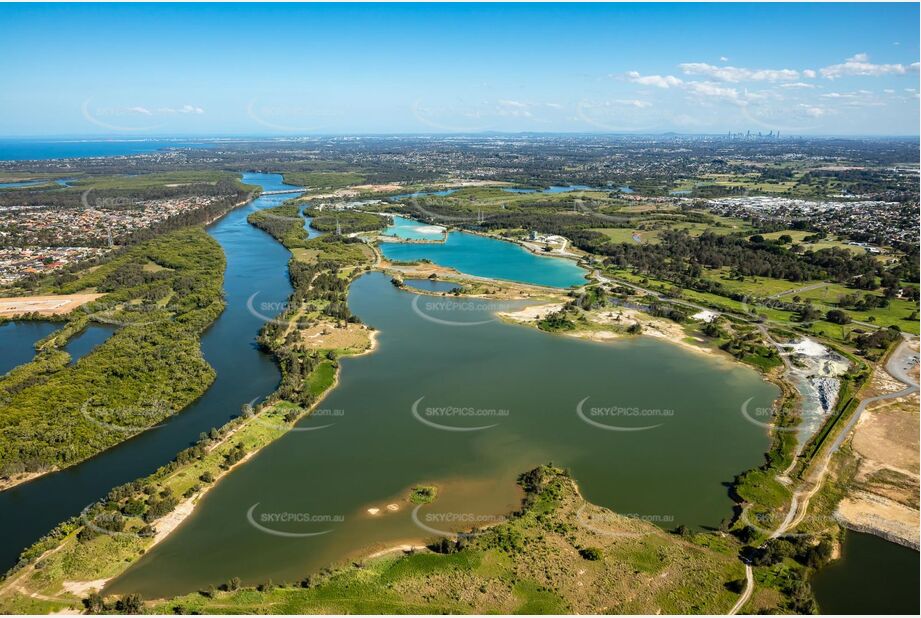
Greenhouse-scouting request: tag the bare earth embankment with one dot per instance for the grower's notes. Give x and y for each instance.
(883, 496)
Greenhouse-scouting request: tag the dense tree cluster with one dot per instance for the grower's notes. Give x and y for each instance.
(346, 221)
(150, 368)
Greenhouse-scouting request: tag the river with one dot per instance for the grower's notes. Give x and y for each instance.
(256, 264)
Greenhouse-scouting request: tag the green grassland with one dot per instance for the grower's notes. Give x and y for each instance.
(650, 231)
(752, 286)
(799, 237)
(789, 178)
(752, 182)
(322, 378)
(492, 199)
(347, 221)
(29, 176)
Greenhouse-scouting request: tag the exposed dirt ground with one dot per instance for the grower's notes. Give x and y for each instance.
(327, 336)
(883, 497)
(44, 305)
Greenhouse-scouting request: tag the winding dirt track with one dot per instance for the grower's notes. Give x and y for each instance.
(799, 504)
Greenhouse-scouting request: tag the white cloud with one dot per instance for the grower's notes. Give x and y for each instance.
(708, 89)
(659, 81)
(797, 85)
(633, 103)
(809, 73)
(859, 98)
(508, 107)
(185, 109)
(813, 111)
(724, 59)
(738, 74)
(860, 65)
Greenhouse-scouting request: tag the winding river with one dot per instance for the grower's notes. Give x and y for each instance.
(256, 264)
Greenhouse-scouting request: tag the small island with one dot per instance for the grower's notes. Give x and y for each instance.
(423, 494)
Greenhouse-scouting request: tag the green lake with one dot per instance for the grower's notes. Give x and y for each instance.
(872, 576)
(398, 418)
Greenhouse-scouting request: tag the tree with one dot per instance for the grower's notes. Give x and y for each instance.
(807, 313)
(837, 316)
(590, 553)
(735, 586)
(129, 604)
(94, 603)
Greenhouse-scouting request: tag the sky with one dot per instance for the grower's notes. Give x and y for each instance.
(146, 70)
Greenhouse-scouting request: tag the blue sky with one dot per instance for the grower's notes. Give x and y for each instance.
(240, 69)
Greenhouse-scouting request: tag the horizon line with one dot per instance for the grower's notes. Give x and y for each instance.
(302, 136)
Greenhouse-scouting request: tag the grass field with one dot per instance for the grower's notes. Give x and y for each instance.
(827, 243)
(753, 286)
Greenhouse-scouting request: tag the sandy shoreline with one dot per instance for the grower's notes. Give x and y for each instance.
(24, 477)
(652, 327)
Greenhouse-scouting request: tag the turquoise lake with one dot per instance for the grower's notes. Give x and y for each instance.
(414, 230)
(487, 257)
